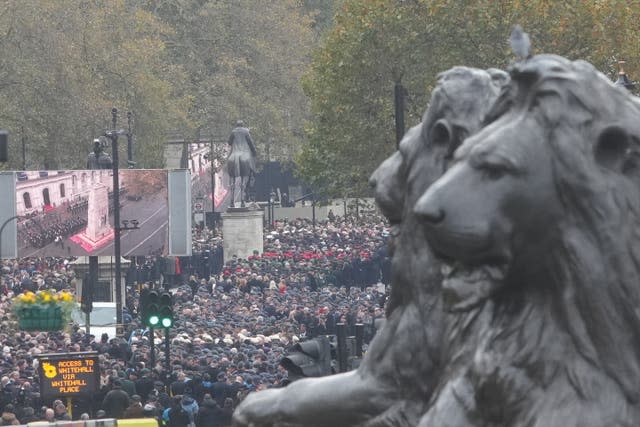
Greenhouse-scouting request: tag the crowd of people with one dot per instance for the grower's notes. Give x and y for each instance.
(234, 322)
(39, 232)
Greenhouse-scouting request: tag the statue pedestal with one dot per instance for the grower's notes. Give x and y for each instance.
(105, 290)
(242, 232)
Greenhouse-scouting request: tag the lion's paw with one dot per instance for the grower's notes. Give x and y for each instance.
(258, 409)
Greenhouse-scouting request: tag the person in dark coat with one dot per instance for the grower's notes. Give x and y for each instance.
(222, 390)
(116, 401)
(227, 413)
(210, 414)
(28, 416)
(177, 416)
(179, 385)
(144, 385)
(127, 383)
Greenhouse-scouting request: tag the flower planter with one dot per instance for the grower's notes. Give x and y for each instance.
(47, 318)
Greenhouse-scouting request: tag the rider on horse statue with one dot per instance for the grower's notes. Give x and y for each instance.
(241, 161)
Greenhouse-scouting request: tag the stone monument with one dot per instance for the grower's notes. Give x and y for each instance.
(242, 227)
(515, 206)
(98, 212)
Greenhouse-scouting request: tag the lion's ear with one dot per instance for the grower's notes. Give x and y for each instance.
(443, 135)
(612, 148)
(441, 132)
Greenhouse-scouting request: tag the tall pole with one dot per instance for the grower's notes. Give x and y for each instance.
(213, 184)
(152, 347)
(24, 152)
(398, 90)
(167, 350)
(313, 210)
(116, 215)
(130, 162)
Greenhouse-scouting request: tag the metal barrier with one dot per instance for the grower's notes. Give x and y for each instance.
(109, 422)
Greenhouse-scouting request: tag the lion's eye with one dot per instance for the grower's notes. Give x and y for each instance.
(493, 172)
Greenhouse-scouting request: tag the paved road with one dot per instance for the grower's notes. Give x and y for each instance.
(153, 215)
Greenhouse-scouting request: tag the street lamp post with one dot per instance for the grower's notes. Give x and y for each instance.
(213, 184)
(117, 227)
(113, 136)
(272, 209)
(130, 162)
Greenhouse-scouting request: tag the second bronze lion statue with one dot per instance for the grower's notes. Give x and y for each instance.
(538, 220)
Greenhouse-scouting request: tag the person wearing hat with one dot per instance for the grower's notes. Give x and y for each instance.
(135, 409)
(116, 401)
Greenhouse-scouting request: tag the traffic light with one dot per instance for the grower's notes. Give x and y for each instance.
(309, 359)
(166, 310)
(151, 310)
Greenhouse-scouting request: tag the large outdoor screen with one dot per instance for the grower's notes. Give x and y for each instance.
(71, 213)
(64, 213)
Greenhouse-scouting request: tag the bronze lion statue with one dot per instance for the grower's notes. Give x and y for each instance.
(393, 384)
(538, 223)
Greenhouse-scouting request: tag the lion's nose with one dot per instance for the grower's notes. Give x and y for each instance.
(433, 216)
(428, 210)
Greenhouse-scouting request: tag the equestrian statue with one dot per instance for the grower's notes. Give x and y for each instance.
(241, 162)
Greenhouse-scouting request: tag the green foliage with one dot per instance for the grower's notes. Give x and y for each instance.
(244, 60)
(375, 43)
(65, 64)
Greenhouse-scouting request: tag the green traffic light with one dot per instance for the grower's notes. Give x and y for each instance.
(153, 320)
(167, 322)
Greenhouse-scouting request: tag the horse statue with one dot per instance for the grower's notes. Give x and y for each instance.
(241, 161)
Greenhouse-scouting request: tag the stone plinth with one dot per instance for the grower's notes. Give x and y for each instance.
(242, 232)
(106, 288)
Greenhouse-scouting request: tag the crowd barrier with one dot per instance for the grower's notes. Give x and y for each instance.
(110, 422)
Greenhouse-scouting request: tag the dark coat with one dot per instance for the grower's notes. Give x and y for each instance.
(221, 390)
(178, 417)
(115, 403)
(144, 386)
(128, 386)
(210, 414)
